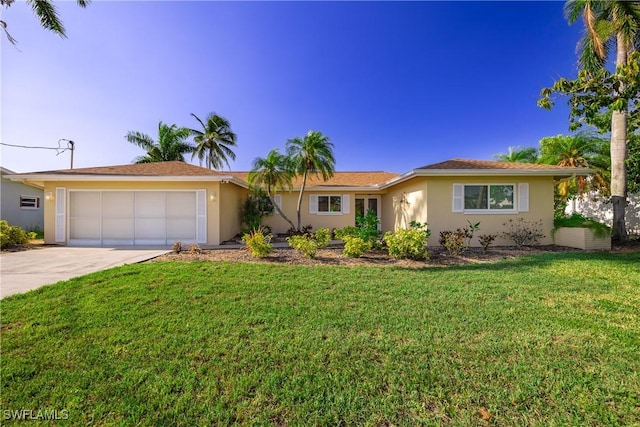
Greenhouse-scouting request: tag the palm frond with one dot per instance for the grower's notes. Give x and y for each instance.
(48, 16)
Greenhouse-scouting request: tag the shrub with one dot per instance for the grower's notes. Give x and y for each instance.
(177, 247)
(322, 237)
(523, 233)
(599, 229)
(194, 249)
(348, 231)
(309, 243)
(367, 226)
(355, 247)
(456, 242)
(486, 240)
(453, 241)
(303, 244)
(12, 235)
(254, 208)
(407, 243)
(36, 233)
(258, 242)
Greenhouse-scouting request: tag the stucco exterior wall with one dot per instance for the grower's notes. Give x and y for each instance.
(441, 215)
(213, 206)
(319, 220)
(404, 203)
(230, 203)
(10, 209)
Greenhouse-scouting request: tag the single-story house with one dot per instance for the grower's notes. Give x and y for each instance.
(160, 203)
(21, 203)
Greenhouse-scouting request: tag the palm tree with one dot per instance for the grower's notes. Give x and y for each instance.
(46, 12)
(581, 150)
(608, 22)
(273, 172)
(214, 141)
(519, 155)
(312, 154)
(171, 144)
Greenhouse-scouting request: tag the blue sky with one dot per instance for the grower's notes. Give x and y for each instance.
(395, 85)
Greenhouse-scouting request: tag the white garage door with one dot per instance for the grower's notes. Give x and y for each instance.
(113, 218)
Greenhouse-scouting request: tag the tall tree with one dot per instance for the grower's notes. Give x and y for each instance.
(171, 144)
(518, 155)
(214, 141)
(311, 155)
(46, 12)
(272, 173)
(596, 91)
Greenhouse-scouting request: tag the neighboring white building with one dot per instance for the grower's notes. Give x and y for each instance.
(21, 204)
(591, 205)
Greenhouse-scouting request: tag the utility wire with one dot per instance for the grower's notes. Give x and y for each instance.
(59, 149)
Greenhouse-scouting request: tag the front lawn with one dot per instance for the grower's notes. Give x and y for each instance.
(551, 339)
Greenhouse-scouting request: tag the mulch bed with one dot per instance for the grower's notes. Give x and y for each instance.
(334, 256)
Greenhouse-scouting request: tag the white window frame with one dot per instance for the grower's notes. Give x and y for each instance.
(314, 204)
(277, 198)
(458, 192)
(26, 202)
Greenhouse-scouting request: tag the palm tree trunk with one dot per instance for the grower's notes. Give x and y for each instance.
(619, 156)
(304, 184)
(273, 203)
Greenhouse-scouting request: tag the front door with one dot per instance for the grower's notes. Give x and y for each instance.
(366, 203)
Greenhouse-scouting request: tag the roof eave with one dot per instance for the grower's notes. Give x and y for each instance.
(554, 172)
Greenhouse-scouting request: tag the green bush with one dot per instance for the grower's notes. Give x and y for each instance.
(407, 243)
(258, 242)
(303, 244)
(13, 235)
(254, 209)
(355, 247)
(599, 229)
(367, 226)
(348, 231)
(322, 237)
(309, 243)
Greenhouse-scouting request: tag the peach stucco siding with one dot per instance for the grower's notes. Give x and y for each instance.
(229, 204)
(430, 200)
(319, 220)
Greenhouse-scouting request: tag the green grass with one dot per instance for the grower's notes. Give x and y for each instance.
(545, 340)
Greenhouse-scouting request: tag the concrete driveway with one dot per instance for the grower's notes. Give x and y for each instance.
(23, 271)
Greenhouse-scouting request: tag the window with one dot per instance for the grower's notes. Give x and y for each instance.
(329, 204)
(491, 197)
(334, 204)
(478, 198)
(29, 202)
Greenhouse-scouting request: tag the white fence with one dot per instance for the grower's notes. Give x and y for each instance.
(593, 206)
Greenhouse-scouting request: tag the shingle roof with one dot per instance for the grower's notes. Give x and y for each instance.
(461, 164)
(339, 179)
(174, 168)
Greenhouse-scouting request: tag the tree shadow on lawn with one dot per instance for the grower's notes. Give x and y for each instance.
(541, 260)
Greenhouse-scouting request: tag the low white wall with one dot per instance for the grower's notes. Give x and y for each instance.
(593, 206)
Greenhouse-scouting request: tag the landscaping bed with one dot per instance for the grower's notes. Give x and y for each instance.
(334, 256)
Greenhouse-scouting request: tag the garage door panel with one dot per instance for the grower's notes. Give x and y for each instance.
(117, 228)
(150, 204)
(117, 204)
(133, 217)
(181, 204)
(85, 228)
(84, 204)
(183, 229)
